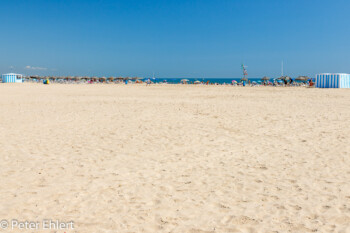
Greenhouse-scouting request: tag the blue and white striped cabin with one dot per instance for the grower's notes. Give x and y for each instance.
(333, 80)
(12, 78)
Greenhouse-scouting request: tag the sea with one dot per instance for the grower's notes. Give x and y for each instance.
(204, 80)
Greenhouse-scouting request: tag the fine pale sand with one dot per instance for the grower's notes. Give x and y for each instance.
(176, 158)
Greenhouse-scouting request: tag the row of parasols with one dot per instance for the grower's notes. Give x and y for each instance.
(284, 78)
(77, 78)
(94, 78)
(265, 78)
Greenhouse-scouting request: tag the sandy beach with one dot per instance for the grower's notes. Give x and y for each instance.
(175, 158)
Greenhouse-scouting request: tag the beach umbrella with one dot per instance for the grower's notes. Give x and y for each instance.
(302, 78)
(136, 78)
(102, 79)
(265, 78)
(111, 78)
(196, 82)
(184, 81)
(285, 78)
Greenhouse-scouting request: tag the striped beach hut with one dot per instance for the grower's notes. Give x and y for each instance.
(12, 78)
(328, 80)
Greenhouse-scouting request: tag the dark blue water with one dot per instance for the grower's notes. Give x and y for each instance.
(204, 80)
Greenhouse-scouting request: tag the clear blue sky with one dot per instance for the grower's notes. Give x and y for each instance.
(174, 38)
